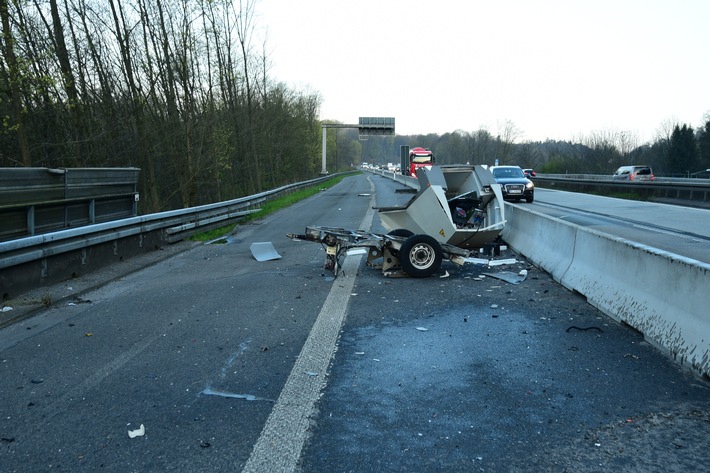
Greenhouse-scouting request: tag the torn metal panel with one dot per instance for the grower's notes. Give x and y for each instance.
(460, 205)
(264, 251)
(456, 211)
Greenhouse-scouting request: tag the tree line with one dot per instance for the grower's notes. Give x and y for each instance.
(677, 151)
(175, 87)
(182, 89)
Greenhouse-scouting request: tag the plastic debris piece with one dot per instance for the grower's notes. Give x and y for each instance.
(482, 261)
(139, 432)
(359, 352)
(312, 373)
(445, 275)
(249, 397)
(422, 329)
(264, 251)
(500, 262)
(508, 276)
(6, 309)
(494, 306)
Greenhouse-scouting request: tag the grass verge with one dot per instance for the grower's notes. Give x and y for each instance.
(270, 207)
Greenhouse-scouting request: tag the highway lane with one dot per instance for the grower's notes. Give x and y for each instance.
(680, 230)
(458, 372)
(196, 348)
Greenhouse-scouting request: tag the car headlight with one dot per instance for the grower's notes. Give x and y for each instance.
(529, 185)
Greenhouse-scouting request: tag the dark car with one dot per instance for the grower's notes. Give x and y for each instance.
(529, 173)
(513, 183)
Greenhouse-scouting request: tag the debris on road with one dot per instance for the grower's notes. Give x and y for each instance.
(508, 276)
(501, 262)
(456, 211)
(249, 397)
(584, 329)
(264, 251)
(139, 432)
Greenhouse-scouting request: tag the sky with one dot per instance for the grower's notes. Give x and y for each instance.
(547, 69)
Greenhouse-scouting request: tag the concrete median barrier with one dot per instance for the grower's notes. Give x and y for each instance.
(663, 295)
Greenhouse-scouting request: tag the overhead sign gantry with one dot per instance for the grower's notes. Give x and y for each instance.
(366, 126)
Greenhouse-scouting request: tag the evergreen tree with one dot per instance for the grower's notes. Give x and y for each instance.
(683, 151)
(704, 144)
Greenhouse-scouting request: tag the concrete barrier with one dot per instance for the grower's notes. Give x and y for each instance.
(663, 295)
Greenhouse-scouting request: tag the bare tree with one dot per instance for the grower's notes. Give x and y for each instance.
(122, 34)
(508, 132)
(12, 72)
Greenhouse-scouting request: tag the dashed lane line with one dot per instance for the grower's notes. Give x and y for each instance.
(279, 446)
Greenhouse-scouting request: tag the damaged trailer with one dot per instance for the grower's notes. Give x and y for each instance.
(457, 211)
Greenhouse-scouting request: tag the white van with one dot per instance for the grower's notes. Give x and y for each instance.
(633, 173)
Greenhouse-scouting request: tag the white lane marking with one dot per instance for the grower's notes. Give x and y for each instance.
(279, 446)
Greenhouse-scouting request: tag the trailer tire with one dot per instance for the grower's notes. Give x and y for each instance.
(420, 256)
(401, 232)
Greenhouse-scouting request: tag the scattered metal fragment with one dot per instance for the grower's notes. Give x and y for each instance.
(264, 251)
(508, 276)
(500, 262)
(231, 239)
(482, 261)
(248, 397)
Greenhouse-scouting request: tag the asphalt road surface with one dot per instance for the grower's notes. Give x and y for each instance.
(230, 364)
(673, 228)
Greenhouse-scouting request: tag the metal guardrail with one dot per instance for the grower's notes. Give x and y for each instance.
(37, 260)
(42, 200)
(692, 190)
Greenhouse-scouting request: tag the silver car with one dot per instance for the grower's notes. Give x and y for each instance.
(633, 173)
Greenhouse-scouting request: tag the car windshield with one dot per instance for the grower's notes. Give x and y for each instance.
(507, 172)
(421, 159)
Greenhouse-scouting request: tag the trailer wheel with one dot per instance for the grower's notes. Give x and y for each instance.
(401, 232)
(420, 256)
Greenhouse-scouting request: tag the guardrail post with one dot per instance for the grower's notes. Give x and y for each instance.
(92, 211)
(31, 220)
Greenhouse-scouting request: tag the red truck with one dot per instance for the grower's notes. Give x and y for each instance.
(419, 158)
